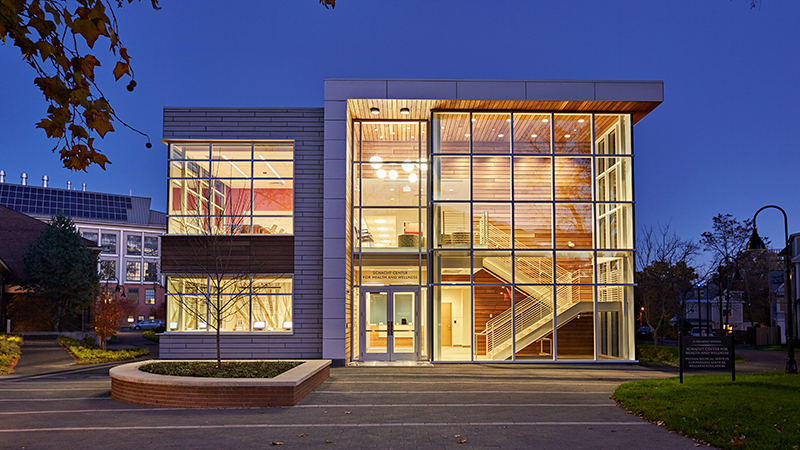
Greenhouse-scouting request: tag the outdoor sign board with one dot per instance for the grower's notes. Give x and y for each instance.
(707, 353)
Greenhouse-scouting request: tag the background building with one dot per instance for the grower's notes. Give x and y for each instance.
(123, 226)
(443, 220)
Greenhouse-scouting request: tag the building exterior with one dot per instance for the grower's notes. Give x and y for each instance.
(433, 220)
(123, 226)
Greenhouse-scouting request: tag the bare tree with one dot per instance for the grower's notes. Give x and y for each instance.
(216, 292)
(664, 275)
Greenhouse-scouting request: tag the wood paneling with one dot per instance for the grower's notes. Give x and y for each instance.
(232, 254)
(420, 109)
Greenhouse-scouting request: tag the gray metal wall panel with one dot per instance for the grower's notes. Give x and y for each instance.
(305, 126)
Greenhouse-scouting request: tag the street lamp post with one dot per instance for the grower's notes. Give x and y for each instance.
(756, 244)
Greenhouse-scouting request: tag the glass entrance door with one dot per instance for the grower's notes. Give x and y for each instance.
(390, 323)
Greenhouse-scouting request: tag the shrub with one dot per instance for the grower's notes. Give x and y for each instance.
(9, 352)
(90, 354)
(231, 369)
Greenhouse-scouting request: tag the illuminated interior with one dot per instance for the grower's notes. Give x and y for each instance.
(527, 230)
(231, 188)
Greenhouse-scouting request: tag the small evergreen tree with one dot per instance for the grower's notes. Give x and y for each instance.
(61, 270)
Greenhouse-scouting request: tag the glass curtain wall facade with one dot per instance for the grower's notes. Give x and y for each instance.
(531, 229)
(229, 188)
(236, 190)
(389, 220)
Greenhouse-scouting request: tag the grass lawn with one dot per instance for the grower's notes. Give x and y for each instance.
(86, 352)
(230, 369)
(757, 411)
(9, 352)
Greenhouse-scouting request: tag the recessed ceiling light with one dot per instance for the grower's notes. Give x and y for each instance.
(383, 228)
(381, 221)
(391, 189)
(405, 111)
(412, 137)
(424, 130)
(408, 128)
(381, 137)
(375, 129)
(500, 135)
(384, 235)
(374, 110)
(466, 135)
(508, 120)
(581, 121)
(545, 120)
(474, 120)
(451, 190)
(385, 241)
(392, 132)
(567, 135)
(392, 198)
(534, 135)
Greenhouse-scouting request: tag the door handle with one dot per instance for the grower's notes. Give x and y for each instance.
(390, 328)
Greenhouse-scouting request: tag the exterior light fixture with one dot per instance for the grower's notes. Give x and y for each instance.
(376, 162)
(405, 111)
(757, 244)
(381, 173)
(393, 174)
(374, 111)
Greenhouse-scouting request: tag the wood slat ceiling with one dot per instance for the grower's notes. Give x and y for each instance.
(420, 109)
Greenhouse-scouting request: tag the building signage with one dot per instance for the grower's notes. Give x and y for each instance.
(390, 276)
(707, 353)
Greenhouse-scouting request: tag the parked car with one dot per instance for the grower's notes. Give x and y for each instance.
(644, 334)
(147, 324)
(702, 331)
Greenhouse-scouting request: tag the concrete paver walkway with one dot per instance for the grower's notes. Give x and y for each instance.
(52, 403)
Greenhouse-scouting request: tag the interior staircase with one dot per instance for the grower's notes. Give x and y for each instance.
(533, 316)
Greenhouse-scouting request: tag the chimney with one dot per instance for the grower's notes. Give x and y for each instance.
(84, 187)
(24, 178)
(2, 176)
(44, 181)
(69, 185)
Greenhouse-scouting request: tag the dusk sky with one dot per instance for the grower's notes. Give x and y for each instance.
(723, 141)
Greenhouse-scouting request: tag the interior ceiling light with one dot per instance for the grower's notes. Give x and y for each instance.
(466, 135)
(408, 166)
(545, 120)
(381, 221)
(581, 121)
(533, 135)
(384, 235)
(376, 162)
(412, 177)
(508, 120)
(381, 137)
(405, 111)
(412, 137)
(240, 170)
(375, 129)
(567, 135)
(271, 168)
(383, 228)
(381, 173)
(393, 174)
(374, 110)
(500, 135)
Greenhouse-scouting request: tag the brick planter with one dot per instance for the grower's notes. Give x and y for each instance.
(131, 385)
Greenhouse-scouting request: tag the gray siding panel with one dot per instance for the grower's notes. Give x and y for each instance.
(305, 126)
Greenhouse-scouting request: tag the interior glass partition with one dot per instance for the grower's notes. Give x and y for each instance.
(531, 221)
